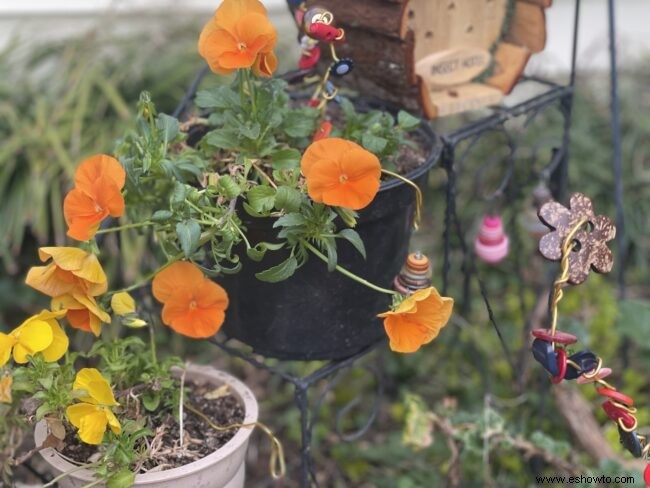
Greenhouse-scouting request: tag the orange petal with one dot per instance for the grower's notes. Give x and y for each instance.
(405, 335)
(257, 32)
(96, 166)
(108, 196)
(230, 11)
(330, 149)
(50, 281)
(208, 29)
(175, 277)
(216, 44)
(265, 64)
(82, 214)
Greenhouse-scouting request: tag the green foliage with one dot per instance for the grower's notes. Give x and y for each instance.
(378, 131)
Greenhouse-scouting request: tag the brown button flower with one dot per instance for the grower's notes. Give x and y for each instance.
(590, 250)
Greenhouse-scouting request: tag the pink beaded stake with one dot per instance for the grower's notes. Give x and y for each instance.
(491, 244)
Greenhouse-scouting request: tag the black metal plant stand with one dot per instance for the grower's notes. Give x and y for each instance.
(454, 157)
(330, 372)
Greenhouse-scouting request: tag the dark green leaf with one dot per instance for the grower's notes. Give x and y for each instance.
(353, 238)
(286, 158)
(189, 233)
(288, 199)
(280, 272)
(161, 215)
(257, 252)
(223, 138)
(227, 187)
(169, 127)
(178, 193)
(217, 97)
(290, 220)
(373, 143)
(332, 257)
(261, 198)
(151, 400)
(407, 121)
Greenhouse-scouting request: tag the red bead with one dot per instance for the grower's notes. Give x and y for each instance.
(324, 32)
(561, 366)
(646, 475)
(615, 395)
(615, 413)
(323, 131)
(308, 61)
(313, 102)
(559, 336)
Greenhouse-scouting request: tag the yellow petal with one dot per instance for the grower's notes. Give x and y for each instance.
(5, 389)
(80, 263)
(93, 427)
(78, 411)
(46, 280)
(98, 389)
(113, 423)
(134, 322)
(34, 335)
(65, 302)
(122, 303)
(59, 344)
(6, 344)
(21, 353)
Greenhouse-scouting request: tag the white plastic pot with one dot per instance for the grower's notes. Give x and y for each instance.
(224, 468)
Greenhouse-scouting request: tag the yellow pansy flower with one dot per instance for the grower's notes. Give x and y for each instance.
(93, 414)
(82, 312)
(39, 333)
(72, 270)
(5, 389)
(122, 304)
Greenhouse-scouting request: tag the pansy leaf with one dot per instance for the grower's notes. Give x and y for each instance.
(257, 252)
(352, 236)
(169, 127)
(407, 121)
(285, 158)
(373, 143)
(288, 199)
(189, 233)
(261, 198)
(290, 220)
(280, 272)
(217, 97)
(161, 215)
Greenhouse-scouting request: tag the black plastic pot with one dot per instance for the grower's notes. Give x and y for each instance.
(316, 314)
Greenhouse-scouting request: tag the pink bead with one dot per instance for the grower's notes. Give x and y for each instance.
(603, 373)
(491, 244)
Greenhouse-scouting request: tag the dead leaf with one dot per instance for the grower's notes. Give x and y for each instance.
(220, 392)
(56, 428)
(5, 389)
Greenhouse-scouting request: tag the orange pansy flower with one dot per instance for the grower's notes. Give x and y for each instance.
(341, 173)
(96, 195)
(417, 320)
(193, 305)
(239, 35)
(72, 270)
(82, 312)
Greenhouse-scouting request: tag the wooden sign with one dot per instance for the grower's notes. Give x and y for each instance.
(428, 54)
(452, 67)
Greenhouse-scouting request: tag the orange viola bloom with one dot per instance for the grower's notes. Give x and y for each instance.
(72, 270)
(82, 312)
(193, 305)
(239, 35)
(417, 320)
(341, 173)
(97, 194)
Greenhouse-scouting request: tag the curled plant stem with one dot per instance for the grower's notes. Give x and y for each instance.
(68, 473)
(349, 274)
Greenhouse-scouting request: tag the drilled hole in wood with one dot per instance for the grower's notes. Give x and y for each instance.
(428, 34)
(576, 246)
(451, 6)
(590, 226)
(470, 28)
(411, 14)
(452, 93)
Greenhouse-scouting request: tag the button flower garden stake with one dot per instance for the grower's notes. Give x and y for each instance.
(200, 204)
(579, 240)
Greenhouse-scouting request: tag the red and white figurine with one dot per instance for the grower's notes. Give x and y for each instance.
(492, 243)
